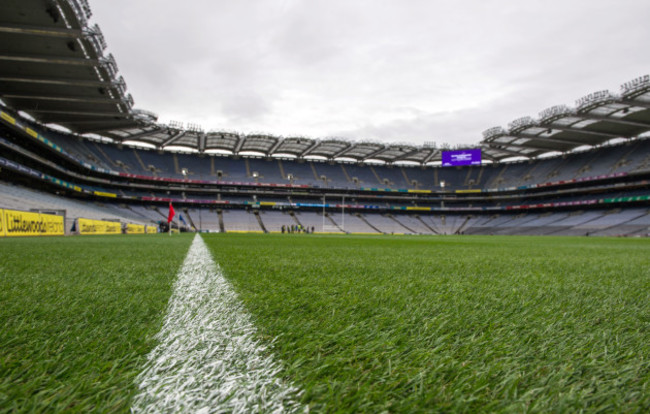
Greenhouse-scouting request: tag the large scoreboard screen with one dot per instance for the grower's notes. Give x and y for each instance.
(461, 157)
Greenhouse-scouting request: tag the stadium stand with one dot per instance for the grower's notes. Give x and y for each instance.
(386, 224)
(274, 220)
(151, 213)
(353, 223)
(206, 219)
(613, 219)
(580, 170)
(413, 224)
(21, 198)
(240, 220)
(639, 226)
(316, 220)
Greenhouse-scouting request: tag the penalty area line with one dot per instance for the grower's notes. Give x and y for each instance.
(207, 359)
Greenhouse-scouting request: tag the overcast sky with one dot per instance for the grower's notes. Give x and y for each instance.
(384, 70)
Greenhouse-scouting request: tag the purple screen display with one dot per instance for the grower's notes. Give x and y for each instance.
(462, 157)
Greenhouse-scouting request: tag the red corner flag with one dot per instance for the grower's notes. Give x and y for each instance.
(170, 217)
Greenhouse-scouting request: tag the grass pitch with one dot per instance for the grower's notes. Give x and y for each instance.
(77, 317)
(454, 324)
(361, 324)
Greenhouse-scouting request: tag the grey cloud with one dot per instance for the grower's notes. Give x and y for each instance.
(246, 107)
(391, 70)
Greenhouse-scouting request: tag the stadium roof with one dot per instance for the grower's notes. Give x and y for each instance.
(53, 66)
(596, 118)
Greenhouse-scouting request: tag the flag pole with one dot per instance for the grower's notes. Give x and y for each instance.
(170, 217)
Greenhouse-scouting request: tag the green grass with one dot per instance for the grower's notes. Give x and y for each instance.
(451, 324)
(361, 324)
(77, 317)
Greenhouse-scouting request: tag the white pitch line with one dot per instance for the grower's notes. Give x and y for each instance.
(207, 359)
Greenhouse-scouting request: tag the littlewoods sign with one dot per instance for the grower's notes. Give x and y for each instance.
(26, 223)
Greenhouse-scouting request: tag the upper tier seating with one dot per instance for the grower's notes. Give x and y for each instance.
(632, 156)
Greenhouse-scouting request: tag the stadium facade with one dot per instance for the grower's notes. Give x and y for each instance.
(581, 170)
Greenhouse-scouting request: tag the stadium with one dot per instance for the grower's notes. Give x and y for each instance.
(336, 290)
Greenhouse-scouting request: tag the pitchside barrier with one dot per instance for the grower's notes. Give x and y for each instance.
(86, 226)
(135, 228)
(15, 223)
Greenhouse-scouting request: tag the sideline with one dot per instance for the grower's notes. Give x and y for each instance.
(207, 359)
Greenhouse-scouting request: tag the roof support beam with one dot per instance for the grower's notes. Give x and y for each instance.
(633, 102)
(483, 153)
(41, 31)
(405, 155)
(434, 152)
(171, 140)
(310, 149)
(343, 151)
(50, 59)
(616, 120)
(583, 131)
(531, 146)
(118, 123)
(64, 98)
(274, 147)
(202, 142)
(240, 143)
(513, 153)
(374, 153)
(61, 82)
(103, 126)
(138, 135)
(549, 139)
(81, 113)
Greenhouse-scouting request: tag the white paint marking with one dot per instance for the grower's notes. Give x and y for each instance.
(207, 360)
